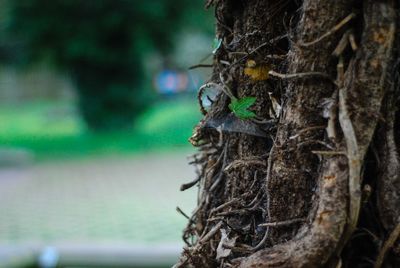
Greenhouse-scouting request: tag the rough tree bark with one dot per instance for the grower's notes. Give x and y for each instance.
(313, 180)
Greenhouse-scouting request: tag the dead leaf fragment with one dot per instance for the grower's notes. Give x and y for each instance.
(225, 245)
(277, 108)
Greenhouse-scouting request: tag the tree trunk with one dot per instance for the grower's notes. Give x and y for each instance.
(311, 178)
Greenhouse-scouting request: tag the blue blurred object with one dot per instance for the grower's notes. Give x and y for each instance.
(49, 258)
(167, 82)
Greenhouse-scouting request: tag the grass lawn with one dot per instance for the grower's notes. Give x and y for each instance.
(54, 130)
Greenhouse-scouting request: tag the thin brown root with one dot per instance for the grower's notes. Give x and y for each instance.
(299, 75)
(188, 185)
(330, 32)
(394, 235)
(282, 223)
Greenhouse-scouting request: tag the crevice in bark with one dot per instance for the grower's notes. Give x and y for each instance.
(388, 185)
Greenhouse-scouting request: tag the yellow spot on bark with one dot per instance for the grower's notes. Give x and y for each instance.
(255, 71)
(380, 36)
(323, 218)
(251, 64)
(329, 177)
(375, 63)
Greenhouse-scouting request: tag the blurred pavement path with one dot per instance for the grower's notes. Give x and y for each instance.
(124, 200)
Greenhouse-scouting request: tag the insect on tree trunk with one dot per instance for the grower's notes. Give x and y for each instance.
(306, 173)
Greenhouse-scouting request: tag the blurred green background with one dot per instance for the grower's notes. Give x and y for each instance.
(78, 76)
(97, 95)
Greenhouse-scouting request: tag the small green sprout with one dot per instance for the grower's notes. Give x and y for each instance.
(240, 107)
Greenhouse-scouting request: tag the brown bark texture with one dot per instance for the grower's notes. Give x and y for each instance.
(312, 178)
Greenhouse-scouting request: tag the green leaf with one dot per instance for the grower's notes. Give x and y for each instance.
(246, 114)
(240, 107)
(242, 104)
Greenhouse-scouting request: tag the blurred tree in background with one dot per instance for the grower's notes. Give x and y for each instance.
(103, 44)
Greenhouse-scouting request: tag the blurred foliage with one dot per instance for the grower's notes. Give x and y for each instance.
(52, 130)
(103, 44)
